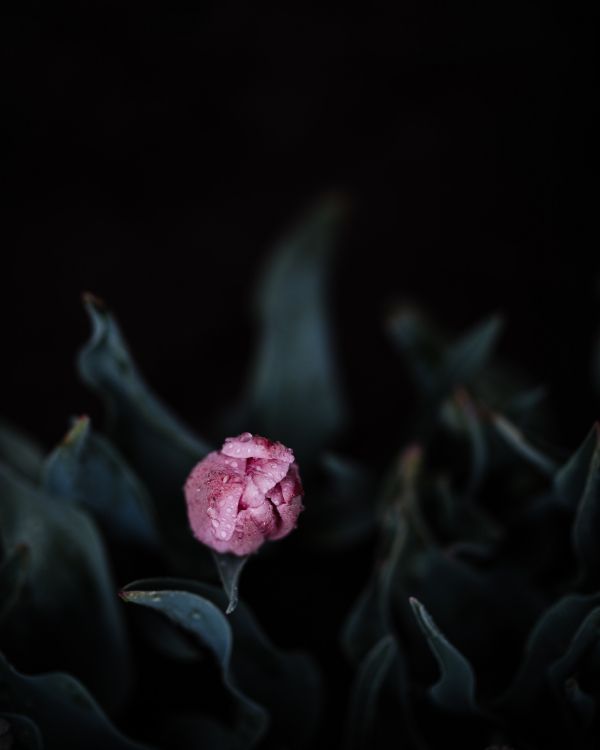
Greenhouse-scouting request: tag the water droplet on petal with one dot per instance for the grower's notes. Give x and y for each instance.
(225, 479)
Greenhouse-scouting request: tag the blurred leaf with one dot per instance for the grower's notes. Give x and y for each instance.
(473, 429)
(580, 703)
(586, 527)
(230, 568)
(438, 367)
(548, 642)
(455, 690)
(21, 733)
(66, 714)
(420, 343)
(13, 576)
(362, 713)
(20, 452)
(403, 530)
(208, 624)
(158, 446)
(294, 393)
(66, 612)
(467, 357)
(86, 470)
(571, 478)
(514, 438)
(286, 683)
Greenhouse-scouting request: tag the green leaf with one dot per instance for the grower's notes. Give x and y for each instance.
(571, 478)
(20, 452)
(286, 683)
(19, 733)
(85, 469)
(208, 624)
(230, 568)
(66, 613)
(362, 713)
(65, 713)
(455, 690)
(157, 445)
(586, 527)
(294, 393)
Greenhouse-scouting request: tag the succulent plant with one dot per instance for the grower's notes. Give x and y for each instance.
(453, 599)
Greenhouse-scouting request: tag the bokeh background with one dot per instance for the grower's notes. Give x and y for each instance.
(154, 153)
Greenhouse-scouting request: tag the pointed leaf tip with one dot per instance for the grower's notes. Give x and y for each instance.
(230, 568)
(455, 689)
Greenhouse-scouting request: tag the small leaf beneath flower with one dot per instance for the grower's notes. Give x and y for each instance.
(230, 568)
(362, 713)
(455, 690)
(66, 714)
(202, 619)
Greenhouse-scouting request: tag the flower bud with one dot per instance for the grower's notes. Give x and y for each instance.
(245, 494)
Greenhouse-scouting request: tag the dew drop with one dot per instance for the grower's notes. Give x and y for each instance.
(223, 534)
(225, 478)
(196, 615)
(155, 598)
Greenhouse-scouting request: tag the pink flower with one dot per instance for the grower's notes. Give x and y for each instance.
(243, 495)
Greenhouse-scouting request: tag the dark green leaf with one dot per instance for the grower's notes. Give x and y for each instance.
(208, 624)
(20, 452)
(455, 690)
(230, 568)
(66, 613)
(20, 733)
(66, 714)
(362, 714)
(158, 446)
(287, 684)
(86, 470)
(294, 393)
(570, 480)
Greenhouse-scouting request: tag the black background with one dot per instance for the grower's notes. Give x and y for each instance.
(154, 153)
